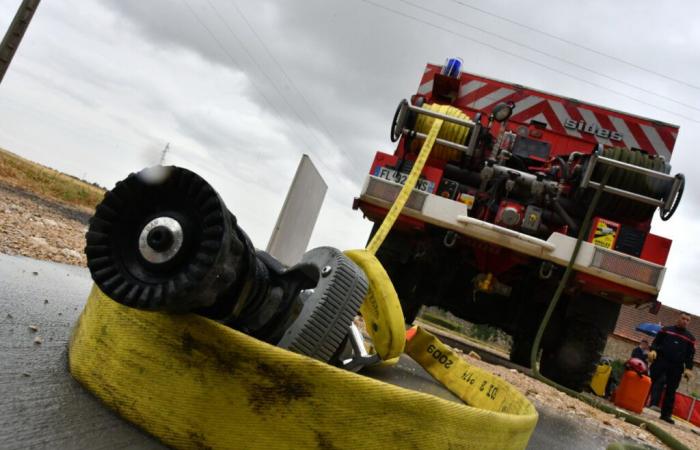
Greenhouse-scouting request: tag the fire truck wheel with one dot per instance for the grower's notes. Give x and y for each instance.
(524, 334)
(405, 285)
(401, 272)
(410, 311)
(520, 350)
(573, 361)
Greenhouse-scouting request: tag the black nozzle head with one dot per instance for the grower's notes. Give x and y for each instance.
(162, 239)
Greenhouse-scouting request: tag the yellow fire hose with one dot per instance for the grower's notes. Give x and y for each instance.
(194, 383)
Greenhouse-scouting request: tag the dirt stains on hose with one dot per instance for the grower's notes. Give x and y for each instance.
(199, 441)
(324, 442)
(276, 388)
(406, 437)
(226, 360)
(123, 405)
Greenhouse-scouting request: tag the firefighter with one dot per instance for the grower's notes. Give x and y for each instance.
(671, 356)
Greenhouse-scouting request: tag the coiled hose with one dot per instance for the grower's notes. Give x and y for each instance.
(449, 131)
(632, 181)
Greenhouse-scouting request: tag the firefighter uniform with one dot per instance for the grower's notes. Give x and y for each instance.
(675, 349)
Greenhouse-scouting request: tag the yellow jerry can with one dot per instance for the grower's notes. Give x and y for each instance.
(600, 378)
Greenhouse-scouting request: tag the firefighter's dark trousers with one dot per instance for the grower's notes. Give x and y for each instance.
(665, 374)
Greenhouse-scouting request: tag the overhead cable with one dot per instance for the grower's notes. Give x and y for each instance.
(550, 55)
(576, 44)
(531, 61)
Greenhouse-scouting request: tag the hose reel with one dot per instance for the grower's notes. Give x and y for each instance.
(458, 134)
(635, 176)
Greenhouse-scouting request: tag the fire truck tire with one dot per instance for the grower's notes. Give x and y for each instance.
(405, 286)
(410, 310)
(524, 335)
(400, 273)
(520, 350)
(572, 362)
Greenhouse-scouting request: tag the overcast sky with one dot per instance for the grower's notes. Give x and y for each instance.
(241, 90)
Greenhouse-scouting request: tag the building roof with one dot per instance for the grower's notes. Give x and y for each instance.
(630, 317)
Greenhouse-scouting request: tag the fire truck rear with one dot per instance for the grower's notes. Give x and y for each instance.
(495, 215)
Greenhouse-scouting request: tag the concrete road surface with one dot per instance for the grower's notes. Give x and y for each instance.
(41, 406)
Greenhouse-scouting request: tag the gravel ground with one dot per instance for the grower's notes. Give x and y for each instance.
(49, 230)
(40, 228)
(543, 395)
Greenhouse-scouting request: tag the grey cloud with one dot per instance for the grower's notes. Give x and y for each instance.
(352, 61)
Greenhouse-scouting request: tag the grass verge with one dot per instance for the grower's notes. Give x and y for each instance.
(46, 182)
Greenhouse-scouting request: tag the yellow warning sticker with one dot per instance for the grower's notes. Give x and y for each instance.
(605, 234)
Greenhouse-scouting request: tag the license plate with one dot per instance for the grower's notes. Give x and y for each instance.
(398, 177)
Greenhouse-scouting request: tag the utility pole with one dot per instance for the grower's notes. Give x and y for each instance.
(14, 34)
(165, 151)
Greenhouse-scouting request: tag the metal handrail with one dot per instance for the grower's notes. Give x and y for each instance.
(438, 115)
(444, 142)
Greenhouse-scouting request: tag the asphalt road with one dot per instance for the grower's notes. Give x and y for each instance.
(41, 406)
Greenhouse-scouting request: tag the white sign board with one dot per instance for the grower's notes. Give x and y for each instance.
(296, 221)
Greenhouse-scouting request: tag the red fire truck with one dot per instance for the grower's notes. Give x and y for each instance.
(494, 218)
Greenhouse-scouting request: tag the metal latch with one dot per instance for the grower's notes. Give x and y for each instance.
(359, 356)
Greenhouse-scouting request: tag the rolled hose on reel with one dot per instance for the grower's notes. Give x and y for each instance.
(637, 183)
(406, 119)
(163, 240)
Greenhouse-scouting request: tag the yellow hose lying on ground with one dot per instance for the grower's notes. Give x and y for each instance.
(194, 383)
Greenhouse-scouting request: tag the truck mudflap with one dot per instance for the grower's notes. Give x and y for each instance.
(611, 265)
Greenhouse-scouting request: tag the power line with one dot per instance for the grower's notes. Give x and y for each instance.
(262, 70)
(532, 61)
(67, 126)
(260, 91)
(281, 68)
(288, 78)
(575, 44)
(579, 66)
(252, 80)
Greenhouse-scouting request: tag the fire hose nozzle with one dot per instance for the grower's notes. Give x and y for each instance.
(162, 239)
